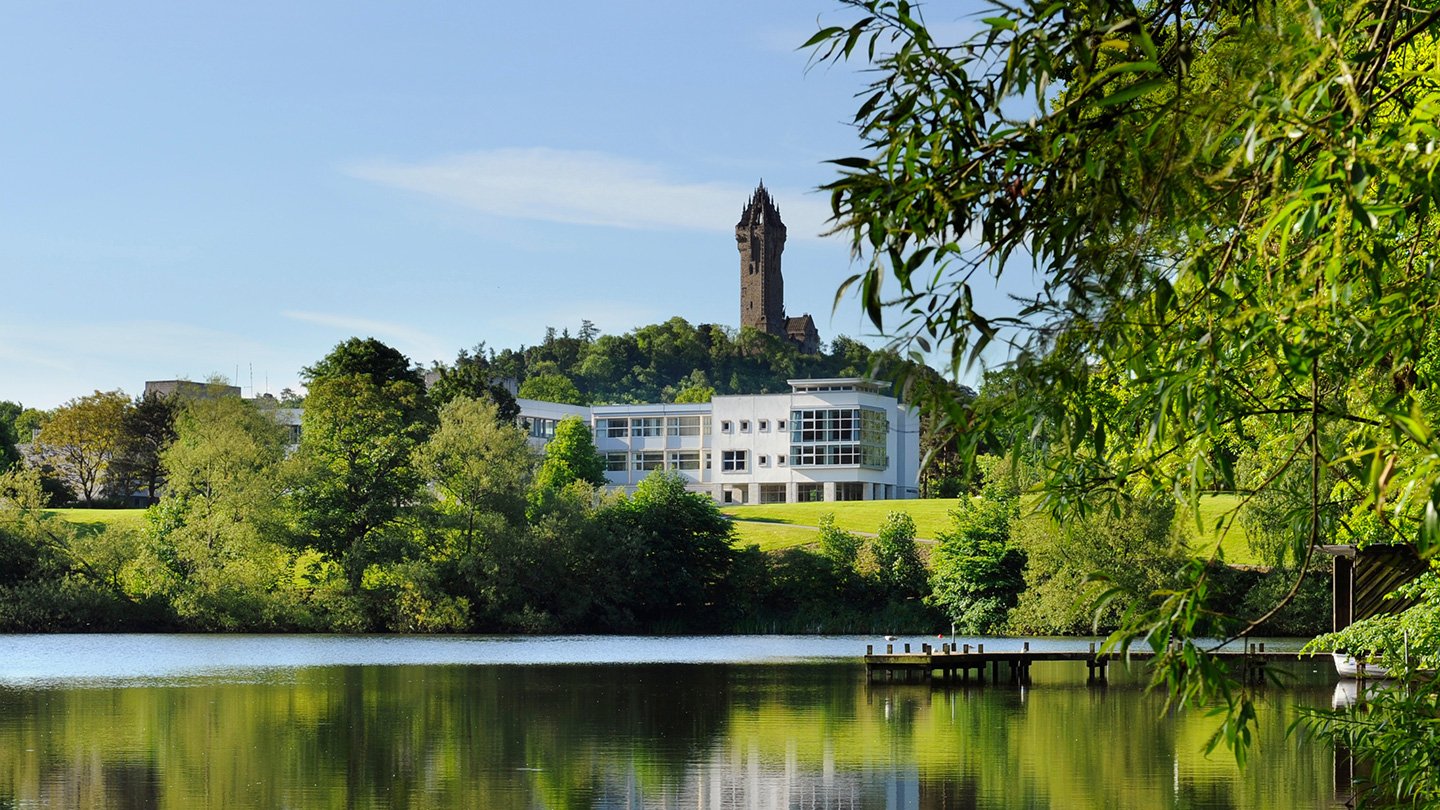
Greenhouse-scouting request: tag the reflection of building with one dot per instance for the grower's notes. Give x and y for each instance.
(827, 440)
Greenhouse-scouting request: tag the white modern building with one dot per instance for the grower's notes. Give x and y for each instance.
(827, 440)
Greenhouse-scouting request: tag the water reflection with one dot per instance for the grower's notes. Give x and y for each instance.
(638, 736)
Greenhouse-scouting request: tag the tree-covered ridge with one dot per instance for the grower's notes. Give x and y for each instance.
(669, 362)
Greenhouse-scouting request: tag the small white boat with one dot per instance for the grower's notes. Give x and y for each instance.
(1347, 667)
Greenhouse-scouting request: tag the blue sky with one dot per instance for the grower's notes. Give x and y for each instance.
(196, 188)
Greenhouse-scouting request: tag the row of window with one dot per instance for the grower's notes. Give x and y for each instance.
(643, 426)
(839, 437)
(762, 425)
(821, 455)
(648, 460)
(739, 460)
(808, 492)
(839, 425)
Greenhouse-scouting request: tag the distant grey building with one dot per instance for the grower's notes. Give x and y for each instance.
(189, 389)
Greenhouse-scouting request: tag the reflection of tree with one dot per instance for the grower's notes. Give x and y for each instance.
(660, 735)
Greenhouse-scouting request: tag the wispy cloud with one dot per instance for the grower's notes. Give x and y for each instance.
(585, 188)
(47, 360)
(418, 344)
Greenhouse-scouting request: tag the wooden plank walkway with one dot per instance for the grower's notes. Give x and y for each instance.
(955, 662)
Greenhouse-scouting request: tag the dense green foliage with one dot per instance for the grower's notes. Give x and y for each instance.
(471, 376)
(81, 440)
(355, 478)
(146, 428)
(1227, 211)
(569, 457)
(897, 560)
(391, 515)
(213, 552)
(9, 436)
(979, 572)
(55, 577)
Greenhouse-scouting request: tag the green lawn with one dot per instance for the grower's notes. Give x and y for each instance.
(780, 526)
(1235, 540)
(931, 515)
(99, 520)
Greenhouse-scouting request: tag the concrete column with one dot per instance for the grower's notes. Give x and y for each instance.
(792, 493)
(829, 491)
(752, 493)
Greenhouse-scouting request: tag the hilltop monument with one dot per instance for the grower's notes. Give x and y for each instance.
(760, 237)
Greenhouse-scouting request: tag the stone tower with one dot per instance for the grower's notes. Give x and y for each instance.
(760, 235)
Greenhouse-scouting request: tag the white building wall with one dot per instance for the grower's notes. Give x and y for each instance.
(759, 426)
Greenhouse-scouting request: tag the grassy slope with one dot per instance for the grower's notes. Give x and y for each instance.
(930, 516)
(778, 526)
(99, 520)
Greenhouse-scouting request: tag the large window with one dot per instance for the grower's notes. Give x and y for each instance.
(649, 460)
(684, 459)
(734, 460)
(614, 428)
(541, 428)
(683, 426)
(772, 493)
(615, 462)
(828, 437)
(647, 426)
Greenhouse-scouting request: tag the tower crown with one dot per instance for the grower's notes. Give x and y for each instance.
(761, 211)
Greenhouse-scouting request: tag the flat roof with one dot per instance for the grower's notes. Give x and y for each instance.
(858, 383)
(654, 407)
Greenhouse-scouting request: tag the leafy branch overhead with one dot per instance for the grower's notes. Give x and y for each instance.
(1216, 223)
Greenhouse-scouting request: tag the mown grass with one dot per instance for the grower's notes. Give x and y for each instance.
(931, 516)
(779, 526)
(99, 520)
(1219, 522)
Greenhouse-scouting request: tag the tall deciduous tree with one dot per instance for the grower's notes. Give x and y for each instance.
(570, 456)
(9, 438)
(897, 560)
(1227, 213)
(474, 376)
(82, 438)
(674, 547)
(365, 414)
(148, 426)
(552, 387)
(214, 552)
(978, 572)
(478, 464)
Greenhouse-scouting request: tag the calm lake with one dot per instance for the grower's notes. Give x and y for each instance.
(127, 721)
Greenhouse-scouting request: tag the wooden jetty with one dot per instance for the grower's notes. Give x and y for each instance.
(951, 663)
